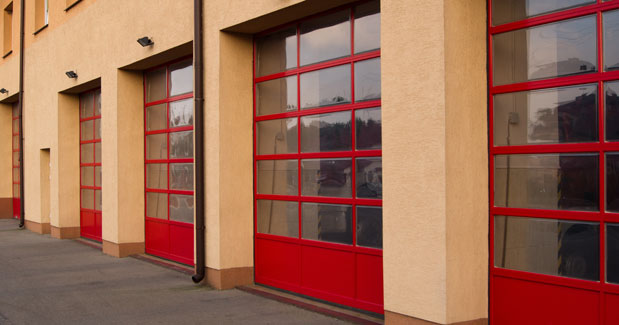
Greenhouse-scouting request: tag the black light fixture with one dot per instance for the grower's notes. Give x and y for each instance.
(4, 91)
(145, 41)
(71, 74)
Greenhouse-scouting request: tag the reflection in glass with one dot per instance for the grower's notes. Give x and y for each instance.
(157, 176)
(181, 177)
(548, 246)
(276, 52)
(157, 146)
(278, 218)
(611, 39)
(276, 96)
(86, 105)
(326, 177)
(87, 176)
(368, 126)
(156, 205)
(327, 222)
(612, 182)
(181, 78)
(181, 208)
(326, 132)
(87, 130)
(367, 80)
(612, 111)
(277, 177)
(370, 177)
(325, 87)
(367, 27)
(98, 102)
(547, 181)
(325, 38)
(507, 11)
(156, 85)
(87, 153)
(181, 144)
(612, 253)
(88, 199)
(370, 226)
(276, 136)
(557, 115)
(181, 113)
(552, 50)
(156, 117)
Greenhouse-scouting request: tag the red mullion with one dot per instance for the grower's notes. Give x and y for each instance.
(610, 288)
(90, 187)
(549, 279)
(352, 143)
(169, 99)
(548, 148)
(90, 141)
(548, 214)
(610, 217)
(561, 81)
(90, 118)
(321, 110)
(167, 110)
(299, 166)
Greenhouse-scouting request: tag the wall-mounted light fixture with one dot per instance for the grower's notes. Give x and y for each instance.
(145, 41)
(71, 74)
(4, 91)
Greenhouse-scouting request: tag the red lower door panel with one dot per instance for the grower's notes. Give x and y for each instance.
(170, 240)
(90, 225)
(16, 208)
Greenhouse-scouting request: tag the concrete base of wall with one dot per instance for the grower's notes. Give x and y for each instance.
(6, 208)
(392, 318)
(65, 232)
(229, 278)
(123, 249)
(39, 228)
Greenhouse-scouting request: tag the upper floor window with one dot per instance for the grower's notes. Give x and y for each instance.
(41, 14)
(7, 29)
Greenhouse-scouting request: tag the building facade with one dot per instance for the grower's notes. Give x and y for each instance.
(439, 162)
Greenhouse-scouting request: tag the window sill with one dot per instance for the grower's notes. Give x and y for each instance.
(72, 5)
(40, 29)
(7, 54)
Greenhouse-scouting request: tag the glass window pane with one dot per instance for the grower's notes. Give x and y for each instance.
(15, 126)
(87, 130)
(277, 177)
(506, 11)
(370, 226)
(611, 39)
(325, 38)
(98, 102)
(276, 52)
(326, 177)
(88, 175)
(612, 253)
(98, 152)
(98, 129)
(87, 105)
(181, 177)
(15, 158)
(157, 146)
(181, 144)
(559, 49)
(88, 199)
(276, 136)
(88, 153)
(157, 205)
(327, 222)
(368, 125)
(557, 115)
(98, 200)
(157, 176)
(16, 142)
(181, 208)
(16, 190)
(156, 85)
(548, 246)
(367, 27)
(156, 117)
(16, 175)
(98, 176)
(276, 96)
(181, 113)
(612, 182)
(325, 87)
(612, 111)
(370, 178)
(278, 218)
(181, 78)
(326, 132)
(547, 181)
(367, 80)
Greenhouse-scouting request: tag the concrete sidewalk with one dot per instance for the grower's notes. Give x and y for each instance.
(49, 281)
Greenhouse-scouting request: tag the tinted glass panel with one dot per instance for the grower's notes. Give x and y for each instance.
(558, 49)
(87, 105)
(15, 158)
(157, 146)
(98, 200)
(558, 115)
(325, 87)
(367, 27)
(547, 246)
(181, 177)
(87, 153)
(98, 129)
(276, 96)
(612, 111)
(506, 11)
(98, 176)
(368, 125)
(612, 253)
(367, 80)
(327, 222)
(181, 78)
(278, 218)
(181, 113)
(370, 226)
(611, 39)
(88, 174)
(156, 205)
(16, 142)
(181, 144)
(277, 177)
(88, 199)
(16, 174)
(156, 117)
(547, 181)
(326, 37)
(16, 190)
(276, 52)
(87, 129)
(370, 178)
(276, 136)
(98, 152)
(326, 132)
(181, 208)
(156, 85)
(157, 176)
(612, 182)
(98, 102)
(326, 177)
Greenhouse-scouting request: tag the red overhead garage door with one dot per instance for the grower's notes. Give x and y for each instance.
(16, 165)
(90, 164)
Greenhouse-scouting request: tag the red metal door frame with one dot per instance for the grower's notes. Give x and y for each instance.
(90, 219)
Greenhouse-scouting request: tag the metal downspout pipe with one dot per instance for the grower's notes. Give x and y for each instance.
(22, 218)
